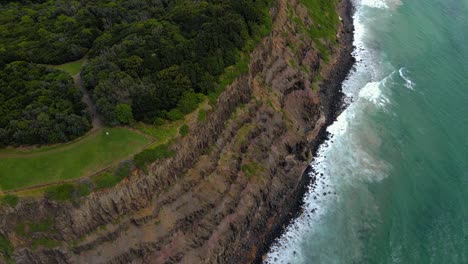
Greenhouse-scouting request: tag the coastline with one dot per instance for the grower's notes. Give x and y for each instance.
(333, 106)
(230, 197)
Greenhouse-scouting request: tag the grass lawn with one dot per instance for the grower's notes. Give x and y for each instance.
(72, 68)
(84, 157)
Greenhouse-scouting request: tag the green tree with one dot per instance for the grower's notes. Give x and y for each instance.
(124, 113)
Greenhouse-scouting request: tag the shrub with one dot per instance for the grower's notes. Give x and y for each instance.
(151, 155)
(201, 115)
(5, 246)
(175, 114)
(105, 180)
(84, 189)
(10, 200)
(60, 192)
(184, 130)
(124, 113)
(158, 121)
(108, 180)
(189, 102)
(42, 226)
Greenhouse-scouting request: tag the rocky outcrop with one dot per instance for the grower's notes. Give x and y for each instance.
(234, 180)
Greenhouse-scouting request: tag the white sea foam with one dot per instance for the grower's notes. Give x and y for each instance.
(408, 82)
(381, 4)
(343, 157)
(373, 93)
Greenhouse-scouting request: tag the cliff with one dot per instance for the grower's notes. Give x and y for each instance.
(234, 180)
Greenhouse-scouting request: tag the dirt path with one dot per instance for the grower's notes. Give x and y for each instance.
(95, 119)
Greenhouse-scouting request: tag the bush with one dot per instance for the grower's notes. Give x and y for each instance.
(10, 200)
(189, 102)
(175, 114)
(5, 246)
(151, 155)
(84, 189)
(105, 180)
(124, 113)
(43, 226)
(201, 115)
(184, 130)
(108, 180)
(158, 121)
(60, 192)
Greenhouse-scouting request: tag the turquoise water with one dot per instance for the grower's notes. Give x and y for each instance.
(395, 171)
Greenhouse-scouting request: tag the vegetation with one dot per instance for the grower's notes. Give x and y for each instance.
(325, 17)
(88, 155)
(6, 249)
(184, 130)
(9, 199)
(72, 68)
(107, 179)
(151, 155)
(201, 115)
(252, 169)
(163, 133)
(145, 58)
(60, 192)
(39, 105)
(44, 242)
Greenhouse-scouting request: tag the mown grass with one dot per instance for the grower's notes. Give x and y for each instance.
(72, 68)
(82, 158)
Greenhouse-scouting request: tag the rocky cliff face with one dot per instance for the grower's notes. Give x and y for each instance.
(235, 179)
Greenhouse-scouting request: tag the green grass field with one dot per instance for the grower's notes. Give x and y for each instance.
(81, 158)
(72, 68)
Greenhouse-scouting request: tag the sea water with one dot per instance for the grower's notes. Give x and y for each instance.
(392, 180)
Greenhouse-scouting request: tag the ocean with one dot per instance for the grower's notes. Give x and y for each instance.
(392, 181)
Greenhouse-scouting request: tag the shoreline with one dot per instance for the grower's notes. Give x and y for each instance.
(333, 97)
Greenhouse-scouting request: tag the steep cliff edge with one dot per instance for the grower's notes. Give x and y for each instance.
(234, 180)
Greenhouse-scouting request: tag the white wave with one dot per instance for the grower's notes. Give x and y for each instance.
(408, 82)
(381, 4)
(374, 3)
(373, 93)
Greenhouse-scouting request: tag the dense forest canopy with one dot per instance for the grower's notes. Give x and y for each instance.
(39, 104)
(147, 59)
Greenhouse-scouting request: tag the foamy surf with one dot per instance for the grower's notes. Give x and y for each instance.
(404, 75)
(343, 159)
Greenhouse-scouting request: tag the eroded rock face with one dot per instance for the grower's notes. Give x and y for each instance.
(235, 179)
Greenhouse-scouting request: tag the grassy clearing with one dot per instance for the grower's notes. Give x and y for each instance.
(72, 68)
(163, 133)
(84, 157)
